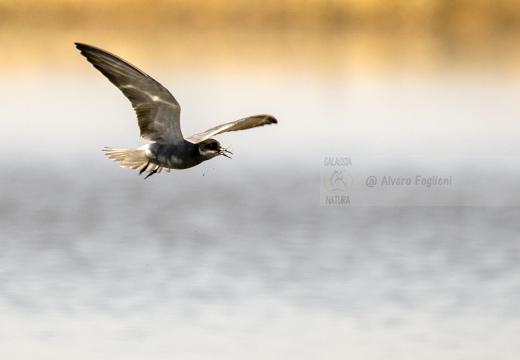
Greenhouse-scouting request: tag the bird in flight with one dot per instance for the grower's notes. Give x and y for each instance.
(158, 117)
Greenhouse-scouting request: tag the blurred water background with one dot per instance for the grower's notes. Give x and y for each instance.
(236, 258)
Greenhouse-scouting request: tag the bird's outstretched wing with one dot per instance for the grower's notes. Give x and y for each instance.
(242, 124)
(158, 113)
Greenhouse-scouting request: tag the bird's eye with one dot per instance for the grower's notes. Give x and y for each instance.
(213, 146)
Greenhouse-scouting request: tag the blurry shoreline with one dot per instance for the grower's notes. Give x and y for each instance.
(334, 36)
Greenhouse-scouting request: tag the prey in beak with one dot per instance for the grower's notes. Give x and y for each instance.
(224, 152)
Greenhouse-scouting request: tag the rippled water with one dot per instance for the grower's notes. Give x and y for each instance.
(196, 266)
(236, 258)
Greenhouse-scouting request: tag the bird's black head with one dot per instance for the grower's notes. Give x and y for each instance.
(210, 148)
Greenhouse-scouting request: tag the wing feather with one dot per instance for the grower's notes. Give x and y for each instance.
(158, 113)
(242, 124)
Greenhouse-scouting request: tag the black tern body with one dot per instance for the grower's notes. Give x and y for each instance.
(158, 117)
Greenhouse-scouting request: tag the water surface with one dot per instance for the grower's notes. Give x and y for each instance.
(235, 258)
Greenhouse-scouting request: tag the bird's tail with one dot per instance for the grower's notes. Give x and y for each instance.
(133, 159)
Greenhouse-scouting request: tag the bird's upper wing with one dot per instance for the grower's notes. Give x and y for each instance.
(158, 113)
(242, 124)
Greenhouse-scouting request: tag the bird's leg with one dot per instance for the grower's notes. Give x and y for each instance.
(144, 169)
(152, 172)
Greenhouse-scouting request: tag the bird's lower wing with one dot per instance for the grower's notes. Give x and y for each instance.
(242, 124)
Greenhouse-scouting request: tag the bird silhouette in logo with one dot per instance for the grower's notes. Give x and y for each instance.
(337, 181)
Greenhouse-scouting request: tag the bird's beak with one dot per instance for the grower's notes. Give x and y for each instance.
(225, 152)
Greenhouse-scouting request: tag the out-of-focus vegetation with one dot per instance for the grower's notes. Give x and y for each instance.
(316, 33)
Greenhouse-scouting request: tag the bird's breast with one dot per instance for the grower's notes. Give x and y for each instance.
(175, 156)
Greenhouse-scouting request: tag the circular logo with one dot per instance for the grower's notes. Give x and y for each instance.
(338, 181)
